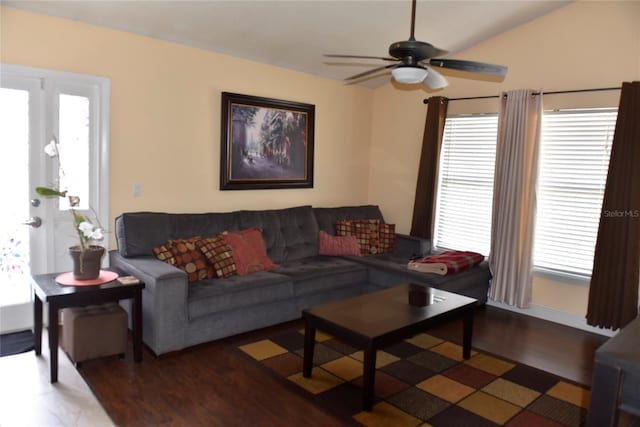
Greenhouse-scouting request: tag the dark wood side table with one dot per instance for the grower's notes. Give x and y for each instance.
(377, 319)
(46, 290)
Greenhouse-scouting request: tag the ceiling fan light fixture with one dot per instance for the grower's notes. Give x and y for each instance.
(409, 75)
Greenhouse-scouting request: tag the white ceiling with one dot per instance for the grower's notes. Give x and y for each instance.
(295, 34)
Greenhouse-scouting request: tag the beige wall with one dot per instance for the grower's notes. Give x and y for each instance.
(165, 115)
(583, 45)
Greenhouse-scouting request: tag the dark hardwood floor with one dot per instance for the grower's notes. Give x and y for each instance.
(213, 385)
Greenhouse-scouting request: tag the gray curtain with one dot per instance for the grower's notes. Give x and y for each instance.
(514, 197)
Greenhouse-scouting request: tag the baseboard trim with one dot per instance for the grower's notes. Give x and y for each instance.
(555, 316)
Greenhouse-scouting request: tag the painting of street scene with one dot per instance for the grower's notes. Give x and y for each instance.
(268, 146)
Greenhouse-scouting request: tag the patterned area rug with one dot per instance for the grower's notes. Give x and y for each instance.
(423, 381)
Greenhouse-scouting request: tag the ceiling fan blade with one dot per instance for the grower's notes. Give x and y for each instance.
(358, 57)
(471, 66)
(375, 70)
(438, 52)
(435, 80)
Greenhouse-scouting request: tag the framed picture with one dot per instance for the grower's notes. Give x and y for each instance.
(265, 143)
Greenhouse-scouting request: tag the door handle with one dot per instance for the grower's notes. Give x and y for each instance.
(34, 221)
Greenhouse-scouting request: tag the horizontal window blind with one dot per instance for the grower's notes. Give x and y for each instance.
(573, 163)
(465, 183)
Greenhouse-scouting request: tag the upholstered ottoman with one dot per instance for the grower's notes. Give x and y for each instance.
(94, 331)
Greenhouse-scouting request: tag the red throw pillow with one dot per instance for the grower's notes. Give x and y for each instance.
(338, 245)
(219, 254)
(249, 251)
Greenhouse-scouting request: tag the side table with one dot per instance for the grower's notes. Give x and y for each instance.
(46, 290)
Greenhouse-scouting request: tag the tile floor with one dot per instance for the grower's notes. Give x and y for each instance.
(27, 398)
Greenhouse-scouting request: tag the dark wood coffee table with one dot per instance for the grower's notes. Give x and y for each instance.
(381, 318)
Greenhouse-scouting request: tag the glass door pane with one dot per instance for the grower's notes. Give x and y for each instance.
(14, 176)
(74, 148)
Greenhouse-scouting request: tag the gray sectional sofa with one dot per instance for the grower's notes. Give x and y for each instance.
(177, 314)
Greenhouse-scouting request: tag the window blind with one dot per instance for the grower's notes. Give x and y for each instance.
(465, 183)
(573, 163)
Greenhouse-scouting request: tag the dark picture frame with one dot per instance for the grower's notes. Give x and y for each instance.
(265, 143)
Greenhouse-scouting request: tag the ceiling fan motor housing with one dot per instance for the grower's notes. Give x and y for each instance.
(413, 51)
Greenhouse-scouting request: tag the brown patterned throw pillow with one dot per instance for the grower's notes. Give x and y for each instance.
(374, 237)
(190, 259)
(387, 238)
(365, 230)
(163, 253)
(187, 257)
(219, 254)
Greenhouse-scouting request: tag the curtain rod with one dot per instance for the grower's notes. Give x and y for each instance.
(599, 89)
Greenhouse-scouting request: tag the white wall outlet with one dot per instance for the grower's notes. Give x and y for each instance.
(137, 189)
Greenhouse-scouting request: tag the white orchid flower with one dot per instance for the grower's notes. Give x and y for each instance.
(89, 231)
(97, 234)
(51, 148)
(86, 228)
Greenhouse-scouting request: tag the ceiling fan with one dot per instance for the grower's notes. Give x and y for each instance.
(413, 61)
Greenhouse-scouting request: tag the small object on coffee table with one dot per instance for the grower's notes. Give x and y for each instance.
(377, 319)
(128, 280)
(419, 296)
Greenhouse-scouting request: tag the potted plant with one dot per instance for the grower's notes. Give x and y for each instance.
(86, 256)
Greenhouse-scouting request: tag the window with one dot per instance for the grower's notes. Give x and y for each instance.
(75, 142)
(465, 183)
(574, 157)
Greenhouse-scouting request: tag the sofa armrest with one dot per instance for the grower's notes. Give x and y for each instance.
(408, 247)
(164, 300)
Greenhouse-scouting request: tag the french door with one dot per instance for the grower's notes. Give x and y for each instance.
(37, 106)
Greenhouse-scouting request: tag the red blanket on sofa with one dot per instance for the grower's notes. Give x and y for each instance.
(447, 262)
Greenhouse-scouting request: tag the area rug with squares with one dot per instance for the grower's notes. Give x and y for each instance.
(422, 381)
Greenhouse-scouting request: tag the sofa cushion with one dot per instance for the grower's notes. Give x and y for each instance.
(137, 233)
(248, 251)
(322, 273)
(288, 233)
(219, 254)
(219, 295)
(202, 224)
(327, 217)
